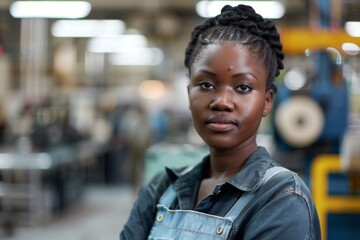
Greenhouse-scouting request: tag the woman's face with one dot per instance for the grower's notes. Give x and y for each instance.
(227, 95)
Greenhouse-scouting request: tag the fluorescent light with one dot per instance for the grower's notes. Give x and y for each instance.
(116, 43)
(267, 9)
(353, 28)
(137, 57)
(50, 9)
(87, 28)
(127, 49)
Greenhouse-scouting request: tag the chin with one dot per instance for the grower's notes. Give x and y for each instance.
(220, 144)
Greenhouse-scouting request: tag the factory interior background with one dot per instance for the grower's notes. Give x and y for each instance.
(93, 103)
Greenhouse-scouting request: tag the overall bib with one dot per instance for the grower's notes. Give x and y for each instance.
(188, 224)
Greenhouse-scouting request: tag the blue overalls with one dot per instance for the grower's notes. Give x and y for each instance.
(188, 224)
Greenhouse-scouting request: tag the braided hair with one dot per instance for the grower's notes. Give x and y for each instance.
(240, 25)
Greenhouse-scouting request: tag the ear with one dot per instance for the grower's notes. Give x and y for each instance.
(269, 96)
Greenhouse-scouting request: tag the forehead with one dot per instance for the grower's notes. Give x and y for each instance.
(226, 56)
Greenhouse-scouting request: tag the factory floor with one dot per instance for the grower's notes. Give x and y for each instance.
(99, 215)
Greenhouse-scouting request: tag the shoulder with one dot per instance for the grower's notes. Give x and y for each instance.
(283, 204)
(289, 182)
(143, 210)
(289, 188)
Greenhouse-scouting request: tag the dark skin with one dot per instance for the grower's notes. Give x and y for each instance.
(228, 98)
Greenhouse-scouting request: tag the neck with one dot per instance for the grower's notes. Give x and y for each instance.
(226, 163)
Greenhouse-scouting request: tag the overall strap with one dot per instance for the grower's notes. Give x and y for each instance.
(168, 196)
(247, 196)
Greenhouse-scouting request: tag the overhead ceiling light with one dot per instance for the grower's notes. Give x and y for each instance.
(353, 28)
(295, 79)
(137, 57)
(267, 9)
(116, 43)
(50, 9)
(87, 28)
(152, 89)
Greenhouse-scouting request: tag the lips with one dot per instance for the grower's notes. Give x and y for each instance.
(221, 123)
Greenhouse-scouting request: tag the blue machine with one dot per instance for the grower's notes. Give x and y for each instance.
(328, 89)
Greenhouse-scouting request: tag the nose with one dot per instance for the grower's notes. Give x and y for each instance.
(223, 101)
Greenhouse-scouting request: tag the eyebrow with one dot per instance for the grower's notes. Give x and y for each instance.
(233, 76)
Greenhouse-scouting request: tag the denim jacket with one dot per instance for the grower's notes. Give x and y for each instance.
(281, 209)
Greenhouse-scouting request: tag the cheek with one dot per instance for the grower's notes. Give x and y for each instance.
(197, 105)
(253, 110)
(196, 99)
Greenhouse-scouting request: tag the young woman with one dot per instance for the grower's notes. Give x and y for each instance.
(237, 192)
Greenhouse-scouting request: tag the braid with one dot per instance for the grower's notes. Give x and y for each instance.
(241, 25)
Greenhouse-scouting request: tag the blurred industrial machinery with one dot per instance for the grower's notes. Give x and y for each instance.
(314, 122)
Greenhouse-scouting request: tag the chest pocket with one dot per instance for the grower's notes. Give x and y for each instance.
(188, 224)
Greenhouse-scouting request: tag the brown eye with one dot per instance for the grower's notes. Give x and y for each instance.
(244, 88)
(206, 85)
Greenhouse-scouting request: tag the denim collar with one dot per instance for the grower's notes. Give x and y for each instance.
(253, 171)
(245, 180)
(186, 185)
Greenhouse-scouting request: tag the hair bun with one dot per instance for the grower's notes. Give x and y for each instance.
(242, 10)
(226, 8)
(245, 17)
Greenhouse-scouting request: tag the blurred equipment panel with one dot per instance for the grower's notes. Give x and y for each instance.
(173, 156)
(35, 186)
